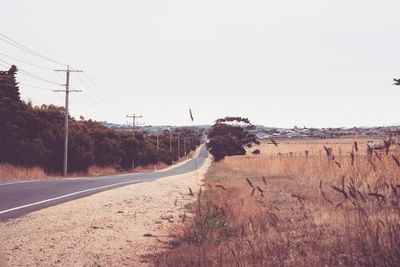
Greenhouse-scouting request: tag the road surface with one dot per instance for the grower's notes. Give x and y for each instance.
(23, 197)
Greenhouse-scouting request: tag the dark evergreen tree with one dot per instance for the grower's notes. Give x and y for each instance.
(8, 84)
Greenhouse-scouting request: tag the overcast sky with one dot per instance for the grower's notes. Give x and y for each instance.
(279, 63)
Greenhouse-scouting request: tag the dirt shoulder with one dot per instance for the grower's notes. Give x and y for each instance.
(113, 228)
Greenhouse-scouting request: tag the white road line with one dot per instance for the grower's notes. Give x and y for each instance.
(20, 182)
(65, 196)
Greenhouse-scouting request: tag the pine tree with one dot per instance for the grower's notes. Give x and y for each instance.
(8, 84)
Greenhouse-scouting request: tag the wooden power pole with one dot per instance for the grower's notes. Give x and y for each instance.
(134, 117)
(66, 113)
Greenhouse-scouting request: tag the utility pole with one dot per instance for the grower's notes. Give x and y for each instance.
(158, 142)
(134, 117)
(184, 146)
(179, 147)
(158, 149)
(66, 113)
(170, 140)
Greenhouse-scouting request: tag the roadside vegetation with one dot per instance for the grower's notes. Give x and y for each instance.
(289, 209)
(32, 137)
(8, 171)
(230, 136)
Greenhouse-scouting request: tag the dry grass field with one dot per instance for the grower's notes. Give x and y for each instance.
(9, 172)
(292, 210)
(314, 147)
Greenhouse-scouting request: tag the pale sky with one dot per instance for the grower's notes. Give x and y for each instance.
(279, 63)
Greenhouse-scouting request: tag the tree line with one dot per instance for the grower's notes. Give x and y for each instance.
(34, 136)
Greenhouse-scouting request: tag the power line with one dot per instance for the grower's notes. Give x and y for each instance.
(31, 75)
(85, 98)
(91, 89)
(90, 80)
(109, 100)
(86, 102)
(34, 86)
(59, 75)
(99, 97)
(95, 86)
(103, 97)
(90, 101)
(25, 62)
(22, 47)
(93, 105)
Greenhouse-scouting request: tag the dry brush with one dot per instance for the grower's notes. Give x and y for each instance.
(295, 211)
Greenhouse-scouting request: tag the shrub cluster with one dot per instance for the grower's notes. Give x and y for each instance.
(229, 136)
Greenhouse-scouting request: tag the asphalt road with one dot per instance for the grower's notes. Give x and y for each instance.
(19, 198)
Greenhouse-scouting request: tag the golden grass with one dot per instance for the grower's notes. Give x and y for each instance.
(271, 210)
(99, 171)
(340, 146)
(10, 172)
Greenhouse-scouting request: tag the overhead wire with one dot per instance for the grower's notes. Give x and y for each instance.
(85, 102)
(98, 89)
(91, 89)
(99, 106)
(32, 64)
(90, 101)
(26, 62)
(84, 97)
(59, 75)
(34, 86)
(31, 75)
(22, 47)
(23, 84)
(107, 101)
(110, 101)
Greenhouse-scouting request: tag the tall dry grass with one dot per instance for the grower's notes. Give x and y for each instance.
(11, 172)
(99, 171)
(294, 211)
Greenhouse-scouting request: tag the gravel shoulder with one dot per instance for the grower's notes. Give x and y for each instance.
(118, 227)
